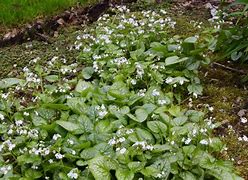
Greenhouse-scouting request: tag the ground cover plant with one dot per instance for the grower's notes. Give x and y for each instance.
(115, 112)
(14, 12)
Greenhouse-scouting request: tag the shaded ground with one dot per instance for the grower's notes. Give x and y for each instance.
(222, 88)
(224, 91)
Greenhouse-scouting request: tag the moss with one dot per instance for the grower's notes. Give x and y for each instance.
(223, 90)
(22, 54)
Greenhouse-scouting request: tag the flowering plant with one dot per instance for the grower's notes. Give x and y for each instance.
(118, 115)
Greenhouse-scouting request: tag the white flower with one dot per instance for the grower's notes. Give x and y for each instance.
(123, 150)
(1, 117)
(142, 92)
(5, 96)
(73, 174)
(243, 120)
(5, 169)
(26, 114)
(19, 122)
(1, 147)
(195, 95)
(122, 139)
(102, 111)
(245, 138)
(56, 136)
(155, 92)
(50, 161)
(10, 145)
(133, 81)
(204, 142)
(59, 156)
(144, 146)
(112, 141)
(71, 142)
(162, 102)
(188, 140)
(129, 131)
(73, 152)
(211, 108)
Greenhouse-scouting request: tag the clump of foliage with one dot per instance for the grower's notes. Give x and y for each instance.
(232, 40)
(118, 115)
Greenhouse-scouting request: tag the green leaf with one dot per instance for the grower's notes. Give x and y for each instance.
(33, 174)
(141, 115)
(103, 126)
(190, 40)
(161, 148)
(82, 86)
(8, 82)
(136, 166)
(56, 106)
(175, 111)
(69, 126)
(89, 153)
(236, 55)
(195, 88)
(86, 123)
(195, 116)
(52, 78)
(157, 127)
(37, 120)
(149, 108)
(100, 167)
(150, 171)
(87, 72)
(124, 174)
(216, 144)
(144, 135)
(178, 121)
(28, 158)
(81, 163)
(174, 60)
(187, 176)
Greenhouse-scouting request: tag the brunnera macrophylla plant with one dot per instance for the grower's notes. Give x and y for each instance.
(118, 116)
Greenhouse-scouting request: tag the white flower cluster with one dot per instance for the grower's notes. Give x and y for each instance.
(210, 123)
(243, 120)
(59, 156)
(73, 174)
(243, 138)
(39, 149)
(139, 70)
(215, 13)
(52, 61)
(162, 102)
(173, 81)
(1, 117)
(155, 93)
(115, 140)
(161, 175)
(120, 61)
(56, 137)
(142, 92)
(143, 146)
(5, 169)
(31, 77)
(101, 111)
(186, 141)
(121, 150)
(7, 144)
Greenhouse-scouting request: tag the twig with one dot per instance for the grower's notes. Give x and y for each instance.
(229, 68)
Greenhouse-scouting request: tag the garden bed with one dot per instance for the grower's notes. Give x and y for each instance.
(125, 97)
